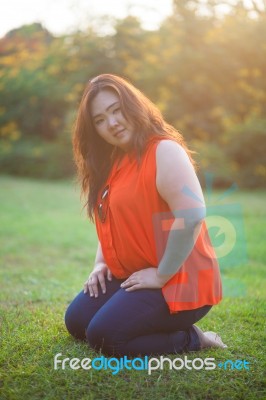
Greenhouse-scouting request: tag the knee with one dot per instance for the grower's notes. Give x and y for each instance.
(99, 337)
(73, 323)
(69, 319)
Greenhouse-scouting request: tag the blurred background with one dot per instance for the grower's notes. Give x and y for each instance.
(202, 62)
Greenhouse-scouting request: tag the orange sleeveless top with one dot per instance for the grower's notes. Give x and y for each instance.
(134, 233)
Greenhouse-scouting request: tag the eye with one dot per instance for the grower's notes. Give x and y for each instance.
(98, 121)
(116, 110)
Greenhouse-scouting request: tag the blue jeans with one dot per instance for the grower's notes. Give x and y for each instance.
(136, 323)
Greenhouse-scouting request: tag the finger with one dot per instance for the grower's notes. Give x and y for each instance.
(91, 291)
(128, 283)
(101, 279)
(92, 286)
(109, 275)
(85, 287)
(134, 287)
(125, 284)
(94, 289)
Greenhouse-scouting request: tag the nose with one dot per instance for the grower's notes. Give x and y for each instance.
(112, 122)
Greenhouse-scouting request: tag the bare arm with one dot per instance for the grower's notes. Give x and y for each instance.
(178, 185)
(99, 258)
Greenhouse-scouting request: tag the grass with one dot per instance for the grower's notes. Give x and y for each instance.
(47, 250)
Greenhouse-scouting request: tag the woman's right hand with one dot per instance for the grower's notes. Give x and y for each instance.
(97, 276)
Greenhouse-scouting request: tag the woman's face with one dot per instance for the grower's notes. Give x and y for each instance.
(109, 121)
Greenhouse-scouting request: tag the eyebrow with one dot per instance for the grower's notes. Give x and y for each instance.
(110, 106)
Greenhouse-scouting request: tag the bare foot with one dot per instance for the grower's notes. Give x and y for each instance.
(209, 339)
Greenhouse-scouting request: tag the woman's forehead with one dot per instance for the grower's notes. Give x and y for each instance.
(103, 101)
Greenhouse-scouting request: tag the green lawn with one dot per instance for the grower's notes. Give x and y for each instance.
(47, 249)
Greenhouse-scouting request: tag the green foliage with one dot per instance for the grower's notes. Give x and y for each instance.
(205, 72)
(246, 149)
(47, 250)
(36, 158)
(33, 90)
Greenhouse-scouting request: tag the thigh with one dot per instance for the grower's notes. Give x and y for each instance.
(83, 308)
(127, 315)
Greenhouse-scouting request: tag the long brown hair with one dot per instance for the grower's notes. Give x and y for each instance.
(93, 155)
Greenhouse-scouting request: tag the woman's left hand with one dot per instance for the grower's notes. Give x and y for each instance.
(147, 278)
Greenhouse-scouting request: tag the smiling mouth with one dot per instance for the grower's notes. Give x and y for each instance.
(118, 133)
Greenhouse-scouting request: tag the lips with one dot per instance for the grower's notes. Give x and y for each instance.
(118, 133)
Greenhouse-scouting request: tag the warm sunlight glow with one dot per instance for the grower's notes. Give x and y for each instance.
(63, 16)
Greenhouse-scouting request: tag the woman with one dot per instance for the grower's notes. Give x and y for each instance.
(155, 271)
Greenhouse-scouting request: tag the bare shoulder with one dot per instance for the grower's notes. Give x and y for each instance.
(171, 152)
(174, 172)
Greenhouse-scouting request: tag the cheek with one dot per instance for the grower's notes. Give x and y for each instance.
(129, 124)
(104, 134)
(100, 130)
(122, 118)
